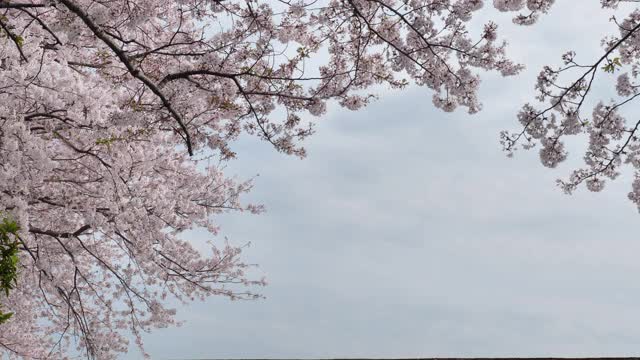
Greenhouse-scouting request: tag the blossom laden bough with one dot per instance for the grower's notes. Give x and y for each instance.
(613, 139)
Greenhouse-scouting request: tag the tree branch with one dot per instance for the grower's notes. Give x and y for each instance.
(135, 72)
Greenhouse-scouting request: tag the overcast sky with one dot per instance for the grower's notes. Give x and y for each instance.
(407, 232)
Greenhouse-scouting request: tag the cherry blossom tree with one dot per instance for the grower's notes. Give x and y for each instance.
(117, 117)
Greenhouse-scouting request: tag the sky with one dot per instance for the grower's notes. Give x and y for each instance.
(407, 232)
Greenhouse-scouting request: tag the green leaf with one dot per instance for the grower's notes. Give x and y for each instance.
(8, 258)
(303, 52)
(608, 68)
(5, 316)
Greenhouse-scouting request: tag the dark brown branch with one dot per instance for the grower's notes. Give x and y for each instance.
(135, 72)
(60, 234)
(15, 40)
(8, 5)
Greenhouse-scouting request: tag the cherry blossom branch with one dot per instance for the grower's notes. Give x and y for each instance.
(7, 5)
(135, 72)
